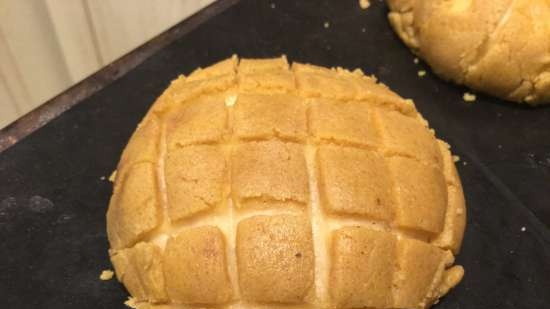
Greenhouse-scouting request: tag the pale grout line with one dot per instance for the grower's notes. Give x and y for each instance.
(216, 217)
(161, 166)
(231, 250)
(247, 214)
(159, 237)
(319, 234)
(334, 222)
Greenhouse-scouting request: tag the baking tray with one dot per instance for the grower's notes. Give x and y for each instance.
(53, 191)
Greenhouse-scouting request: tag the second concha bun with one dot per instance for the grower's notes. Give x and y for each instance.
(500, 47)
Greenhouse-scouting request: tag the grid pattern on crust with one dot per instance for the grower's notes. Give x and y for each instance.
(224, 92)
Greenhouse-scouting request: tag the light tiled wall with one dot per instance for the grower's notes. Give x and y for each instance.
(48, 45)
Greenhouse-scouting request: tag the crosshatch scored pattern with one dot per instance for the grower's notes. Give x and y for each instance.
(258, 184)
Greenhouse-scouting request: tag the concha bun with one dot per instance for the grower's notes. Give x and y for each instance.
(500, 47)
(255, 184)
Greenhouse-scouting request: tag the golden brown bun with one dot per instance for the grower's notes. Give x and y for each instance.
(500, 47)
(252, 184)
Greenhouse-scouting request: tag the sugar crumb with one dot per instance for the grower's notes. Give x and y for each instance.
(272, 5)
(469, 97)
(421, 73)
(106, 275)
(456, 158)
(326, 24)
(499, 146)
(464, 163)
(230, 100)
(363, 30)
(523, 229)
(364, 4)
(415, 60)
(131, 302)
(102, 178)
(113, 176)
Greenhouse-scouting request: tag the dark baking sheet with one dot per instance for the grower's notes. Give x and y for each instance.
(53, 195)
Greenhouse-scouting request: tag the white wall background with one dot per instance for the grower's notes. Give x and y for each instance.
(48, 45)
